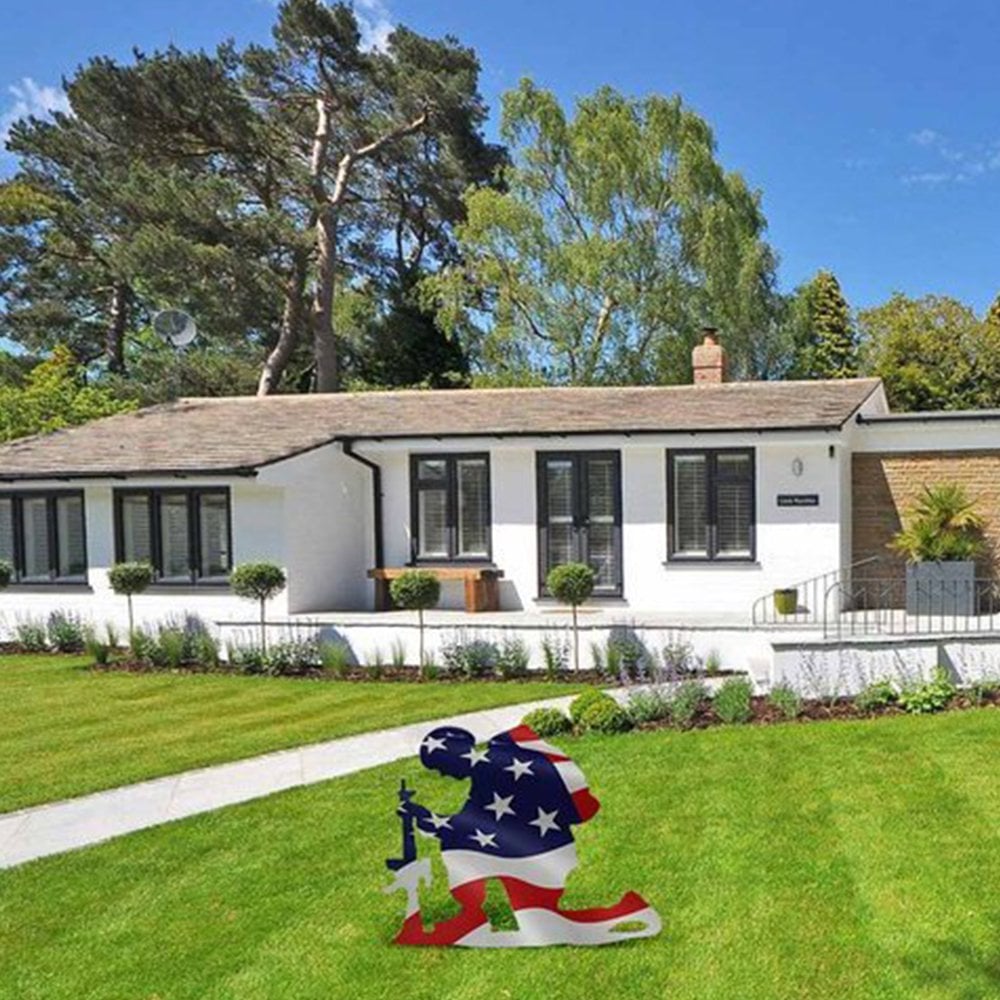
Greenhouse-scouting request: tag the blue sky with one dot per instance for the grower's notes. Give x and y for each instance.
(871, 128)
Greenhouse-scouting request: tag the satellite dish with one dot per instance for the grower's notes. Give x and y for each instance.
(175, 326)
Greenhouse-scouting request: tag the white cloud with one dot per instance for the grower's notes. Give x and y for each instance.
(375, 21)
(928, 177)
(31, 98)
(964, 162)
(927, 137)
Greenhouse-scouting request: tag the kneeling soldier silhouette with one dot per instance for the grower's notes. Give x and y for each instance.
(516, 826)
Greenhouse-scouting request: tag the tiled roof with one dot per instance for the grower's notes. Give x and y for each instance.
(242, 433)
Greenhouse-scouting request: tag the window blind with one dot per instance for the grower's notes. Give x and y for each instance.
(70, 532)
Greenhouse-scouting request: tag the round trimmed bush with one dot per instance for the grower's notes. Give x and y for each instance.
(258, 581)
(604, 715)
(415, 590)
(571, 583)
(548, 721)
(6, 573)
(128, 578)
(580, 703)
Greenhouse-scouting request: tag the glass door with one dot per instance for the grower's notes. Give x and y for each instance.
(579, 515)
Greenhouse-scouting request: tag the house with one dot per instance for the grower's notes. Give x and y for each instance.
(691, 502)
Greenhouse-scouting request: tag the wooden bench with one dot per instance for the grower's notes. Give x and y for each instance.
(482, 590)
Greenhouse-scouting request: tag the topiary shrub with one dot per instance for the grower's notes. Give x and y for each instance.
(6, 573)
(572, 583)
(548, 721)
(259, 581)
(579, 704)
(127, 579)
(416, 590)
(603, 715)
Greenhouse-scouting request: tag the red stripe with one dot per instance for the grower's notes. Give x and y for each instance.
(586, 804)
(470, 896)
(525, 896)
(522, 734)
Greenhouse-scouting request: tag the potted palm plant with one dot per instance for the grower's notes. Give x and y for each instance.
(941, 538)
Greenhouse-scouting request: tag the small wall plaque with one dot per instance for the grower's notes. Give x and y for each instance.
(798, 499)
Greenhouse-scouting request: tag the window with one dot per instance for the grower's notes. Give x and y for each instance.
(42, 535)
(710, 504)
(450, 507)
(183, 534)
(579, 515)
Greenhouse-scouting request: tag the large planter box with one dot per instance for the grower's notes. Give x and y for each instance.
(941, 588)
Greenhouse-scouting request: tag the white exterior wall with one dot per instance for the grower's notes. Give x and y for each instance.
(258, 533)
(327, 521)
(793, 543)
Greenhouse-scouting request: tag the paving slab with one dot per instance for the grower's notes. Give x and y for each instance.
(57, 827)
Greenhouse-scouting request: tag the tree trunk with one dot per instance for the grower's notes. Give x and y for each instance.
(576, 643)
(114, 342)
(131, 622)
(420, 617)
(291, 324)
(263, 626)
(324, 339)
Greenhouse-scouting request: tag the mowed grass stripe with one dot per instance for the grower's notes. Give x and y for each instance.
(68, 730)
(781, 860)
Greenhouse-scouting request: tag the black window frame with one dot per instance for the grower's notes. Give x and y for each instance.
(712, 479)
(17, 497)
(541, 520)
(193, 494)
(451, 460)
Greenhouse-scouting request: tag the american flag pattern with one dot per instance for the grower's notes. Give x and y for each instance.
(516, 826)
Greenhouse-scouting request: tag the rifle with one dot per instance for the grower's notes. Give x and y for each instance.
(409, 871)
(409, 841)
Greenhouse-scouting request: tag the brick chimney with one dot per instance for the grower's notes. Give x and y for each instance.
(709, 359)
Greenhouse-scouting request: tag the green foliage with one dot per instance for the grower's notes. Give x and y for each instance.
(547, 722)
(513, 658)
(943, 526)
(415, 590)
(647, 705)
(130, 578)
(98, 650)
(603, 715)
(335, 657)
(55, 395)
(31, 635)
(732, 701)
(470, 657)
(289, 658)
(65, 632)
(931, 696)
(616, 232)
(259, 581)
(555, 652)
(826, 341)
(685, 701)
(932, 353)
(786, 700)
(6, 573)
(579, 704)
(874, 696)
(713, 662)
(571, 583)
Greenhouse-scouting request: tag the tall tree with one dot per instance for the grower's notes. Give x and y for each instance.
(824, 335)
(617, 237)
(993, 314)
(932, 353)
(348, 115)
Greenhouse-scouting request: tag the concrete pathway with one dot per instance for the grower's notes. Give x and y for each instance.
(63, 826)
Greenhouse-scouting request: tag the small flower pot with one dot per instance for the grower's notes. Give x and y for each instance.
(786, 600)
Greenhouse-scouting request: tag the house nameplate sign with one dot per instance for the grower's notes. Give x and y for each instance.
(798, 499)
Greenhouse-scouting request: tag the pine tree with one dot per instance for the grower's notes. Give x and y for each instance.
(834, 343)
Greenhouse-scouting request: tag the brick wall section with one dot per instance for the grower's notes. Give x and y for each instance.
(885, 485)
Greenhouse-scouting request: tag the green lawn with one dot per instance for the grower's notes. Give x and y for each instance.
(66, 730)
(836, 860)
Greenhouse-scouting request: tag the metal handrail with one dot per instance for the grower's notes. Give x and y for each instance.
(812, 593)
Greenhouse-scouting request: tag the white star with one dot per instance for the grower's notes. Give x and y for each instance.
(475, 756)
(501, 807)
(545, 822)
(432, 743)
(520, 767)
(439, 821)
(483, 839)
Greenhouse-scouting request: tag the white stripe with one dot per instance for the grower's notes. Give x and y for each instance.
(537, 928)
(571, 775)
(548, 871)
(539, 746)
